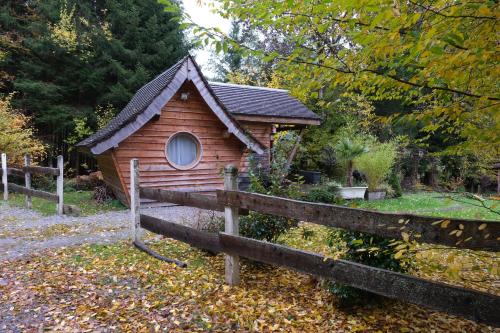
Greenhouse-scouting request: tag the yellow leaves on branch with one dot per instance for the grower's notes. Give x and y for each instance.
(16, 135)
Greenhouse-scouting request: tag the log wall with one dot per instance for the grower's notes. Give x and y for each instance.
(111, 176)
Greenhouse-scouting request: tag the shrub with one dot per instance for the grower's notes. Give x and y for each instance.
(327, 193)
(395, 183)
(377, 163)
(17, 136)
(43, 182)
(359, 247)
(269, 227)
(265, 227)
(368, 250)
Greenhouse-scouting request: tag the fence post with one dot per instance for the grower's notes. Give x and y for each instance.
(231, 226)
(60, 185)
(27, 180)
(4, 177)
(135, 201)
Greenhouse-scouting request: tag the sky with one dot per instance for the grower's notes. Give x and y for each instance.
(203, 16)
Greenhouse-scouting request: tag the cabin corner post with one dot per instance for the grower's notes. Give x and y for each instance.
(60, 185)
(232, 262)
(27, 180)
(4, 177)
(135, 201)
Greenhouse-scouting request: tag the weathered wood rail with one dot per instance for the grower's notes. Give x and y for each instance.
(471, 304)
(474, 234)
(34, 193)
(26, 172)
(197, 200)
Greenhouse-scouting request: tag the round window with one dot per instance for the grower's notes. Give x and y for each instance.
(183, 150)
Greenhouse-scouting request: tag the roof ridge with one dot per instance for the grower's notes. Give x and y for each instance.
(246, 86)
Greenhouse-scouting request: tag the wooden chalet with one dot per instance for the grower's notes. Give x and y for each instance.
(184, 130)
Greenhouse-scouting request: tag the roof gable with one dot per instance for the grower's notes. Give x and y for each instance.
(149, 101)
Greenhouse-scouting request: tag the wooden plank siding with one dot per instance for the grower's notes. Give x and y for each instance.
(111, 176)
(148, 145)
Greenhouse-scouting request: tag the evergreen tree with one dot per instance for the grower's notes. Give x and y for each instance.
(66, 58)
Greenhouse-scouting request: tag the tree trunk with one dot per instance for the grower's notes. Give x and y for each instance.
(434, 173)
(498, 181)
(349, 173)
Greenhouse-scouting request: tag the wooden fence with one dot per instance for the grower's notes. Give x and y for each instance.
(26, 172)
(478, 235)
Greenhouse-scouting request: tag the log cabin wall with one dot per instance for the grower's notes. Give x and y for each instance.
(111, 176)
(193, 116)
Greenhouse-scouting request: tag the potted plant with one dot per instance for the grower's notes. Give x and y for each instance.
(376, 164)
(346, 151)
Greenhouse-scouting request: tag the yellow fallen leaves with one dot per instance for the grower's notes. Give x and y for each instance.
(117, 288)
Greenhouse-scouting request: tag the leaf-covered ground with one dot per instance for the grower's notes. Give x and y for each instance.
(108, 288)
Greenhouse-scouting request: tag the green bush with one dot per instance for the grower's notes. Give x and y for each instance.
(368, 250)
(265, 227)
(327, 193)
(395, 183)
(376, 164)
(43, 182)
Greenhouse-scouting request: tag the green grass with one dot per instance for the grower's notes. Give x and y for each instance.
(81, 199)
(433, 204)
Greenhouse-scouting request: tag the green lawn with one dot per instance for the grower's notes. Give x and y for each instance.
(433, 204)
(81, 199)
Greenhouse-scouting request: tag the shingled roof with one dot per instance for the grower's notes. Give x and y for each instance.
(229, 100)
(260, 101)
(141, 100)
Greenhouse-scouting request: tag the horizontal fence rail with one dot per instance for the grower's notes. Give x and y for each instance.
(461, 233)
(202, 201)
(181, 198)
(41, 170)
(13, 172)
(471, 304)
(200, 239)
(33, 170)
(34, 193)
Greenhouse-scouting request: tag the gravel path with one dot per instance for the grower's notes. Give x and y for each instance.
(24, 231)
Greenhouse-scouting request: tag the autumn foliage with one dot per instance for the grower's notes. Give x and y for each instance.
(16, 134)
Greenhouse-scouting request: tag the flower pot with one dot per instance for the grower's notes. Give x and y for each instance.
(352, 192)
(375, 195)
(310, 177)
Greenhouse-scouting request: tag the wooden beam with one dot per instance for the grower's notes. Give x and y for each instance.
(182, 198)
(41, 170)
(35, 193)
(231, 226)
(474, 234)
(27, 181)
(4, 177)
(467, 303)
(135, 201)
(13, 172)
(60, 185)
(197, 238)
(277, 120)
